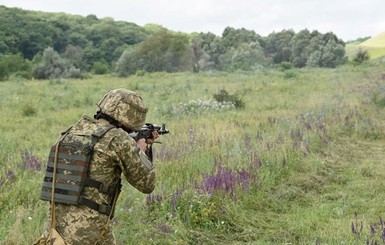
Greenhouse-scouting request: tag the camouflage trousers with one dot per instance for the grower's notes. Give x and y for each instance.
(79, 225)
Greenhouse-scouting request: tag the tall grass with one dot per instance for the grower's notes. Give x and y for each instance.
(299, 164)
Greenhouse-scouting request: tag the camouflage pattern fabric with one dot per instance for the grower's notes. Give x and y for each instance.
(114, 153)
(124, 106)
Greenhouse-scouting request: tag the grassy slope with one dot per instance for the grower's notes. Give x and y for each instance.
(313, 138)
(375, 46)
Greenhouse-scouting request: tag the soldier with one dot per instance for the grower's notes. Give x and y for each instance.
(84, 170)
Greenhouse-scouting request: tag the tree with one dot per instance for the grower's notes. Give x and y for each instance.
(333, 51)
(200, 59)
(53, 66)
(128, 63)
(299, 44)
(278, 46)
(243, 45)
(74, 55)
(165, 51)
(315, 50)
(100, 68)
(244, 57)
(14, 64)
(213, 47)
(232, 37)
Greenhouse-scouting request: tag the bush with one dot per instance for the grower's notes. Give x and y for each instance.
(14, 65)
(128, 63)
(100, 68)
(361, 56)
(223, 96)
(53, 66)
(285, 65)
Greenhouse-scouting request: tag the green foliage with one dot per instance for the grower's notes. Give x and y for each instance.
(289, 74)
(14, 65)
(52, 66)
(129, 63)
(31, 32)
(232, 38)
(361, 56)
(278, 46)
(317, 50)
(85, 41)
(165, 51)
(244, 57)
(223, 96)
(285, 66)
(100, 68)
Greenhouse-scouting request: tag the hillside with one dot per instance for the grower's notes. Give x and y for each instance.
(104, 46)
(375, 42)
(375, 46)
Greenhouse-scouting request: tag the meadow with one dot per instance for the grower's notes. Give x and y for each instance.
(301, 163)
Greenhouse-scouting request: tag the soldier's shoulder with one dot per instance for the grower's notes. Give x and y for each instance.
(120, 135)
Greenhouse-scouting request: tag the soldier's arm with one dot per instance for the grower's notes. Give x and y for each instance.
(138, 172)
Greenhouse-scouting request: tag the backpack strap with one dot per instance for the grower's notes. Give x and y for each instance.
(107, 209)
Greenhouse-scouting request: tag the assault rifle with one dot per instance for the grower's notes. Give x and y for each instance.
(146, 133)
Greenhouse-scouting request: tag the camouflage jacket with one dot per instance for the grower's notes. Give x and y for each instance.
(115, 153)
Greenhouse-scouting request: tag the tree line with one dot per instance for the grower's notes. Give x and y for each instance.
(55, 45)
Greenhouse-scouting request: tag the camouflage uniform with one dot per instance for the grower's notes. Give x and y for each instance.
(113, 154)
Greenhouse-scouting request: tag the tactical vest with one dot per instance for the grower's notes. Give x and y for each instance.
(72, 155)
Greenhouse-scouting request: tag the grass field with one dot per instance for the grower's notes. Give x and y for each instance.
(302, 163)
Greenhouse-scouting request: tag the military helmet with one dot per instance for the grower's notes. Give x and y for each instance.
(124, 106)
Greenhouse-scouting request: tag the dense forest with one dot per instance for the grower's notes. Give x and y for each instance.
(44, 45)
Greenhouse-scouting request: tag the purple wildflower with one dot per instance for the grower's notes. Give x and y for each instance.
(153, 199)
(226, 180)
(10, 175)
(30, 162)
(372, 230)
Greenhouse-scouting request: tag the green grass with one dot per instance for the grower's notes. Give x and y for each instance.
(308, 148)
(375, 47)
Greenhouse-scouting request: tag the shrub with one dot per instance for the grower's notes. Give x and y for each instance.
(100, 68)
(223, 96)
(361, 56)
(53, 66)
(285, 65)
(14, 65)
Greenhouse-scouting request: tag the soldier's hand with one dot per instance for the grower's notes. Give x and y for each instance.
(142, 144)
